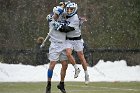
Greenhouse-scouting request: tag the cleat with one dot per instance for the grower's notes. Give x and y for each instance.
(77, 71)
(61, 87)
(86, 79)
(48, 89)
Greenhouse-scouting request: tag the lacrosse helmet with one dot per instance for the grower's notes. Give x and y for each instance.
(63, 4)
(58, 10)
(71, 9)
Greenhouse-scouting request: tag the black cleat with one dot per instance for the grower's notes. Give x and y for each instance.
(48, 89)
(61, 87)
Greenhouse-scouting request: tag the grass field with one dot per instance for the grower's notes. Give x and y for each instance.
(72, 87)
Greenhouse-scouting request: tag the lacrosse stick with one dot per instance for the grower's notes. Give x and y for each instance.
(43, 44)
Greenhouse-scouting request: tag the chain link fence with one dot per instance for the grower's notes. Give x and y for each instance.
(40, 56)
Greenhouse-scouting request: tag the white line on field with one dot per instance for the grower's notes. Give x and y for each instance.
(76, 90)
(124, 89)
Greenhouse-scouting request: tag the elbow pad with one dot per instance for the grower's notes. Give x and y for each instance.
(66, 29)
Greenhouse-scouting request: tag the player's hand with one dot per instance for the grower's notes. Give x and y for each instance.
(56, 25)
(59, 27)
(82, 20)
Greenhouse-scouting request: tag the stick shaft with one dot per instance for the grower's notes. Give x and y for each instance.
(45, 39)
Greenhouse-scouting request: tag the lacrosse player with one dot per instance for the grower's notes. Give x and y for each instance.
(57, 48)
(64, 28)
(73, 38)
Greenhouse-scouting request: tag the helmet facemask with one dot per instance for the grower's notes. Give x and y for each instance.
(71, 9)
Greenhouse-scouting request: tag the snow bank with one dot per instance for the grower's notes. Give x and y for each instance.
(103, 71)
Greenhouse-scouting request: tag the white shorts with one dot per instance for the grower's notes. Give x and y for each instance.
(76, 45)
(57, 51)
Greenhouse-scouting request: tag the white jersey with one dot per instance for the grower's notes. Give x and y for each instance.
(74, 22)
(56, 36)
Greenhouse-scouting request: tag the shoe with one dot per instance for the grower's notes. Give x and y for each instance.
(48, 89)
(77, 71)
(86, 79)
(61, 87)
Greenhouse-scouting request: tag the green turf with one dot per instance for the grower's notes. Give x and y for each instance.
(72, 87)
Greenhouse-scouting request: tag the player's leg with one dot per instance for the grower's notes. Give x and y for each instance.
(71, 59)
(63, 58)
(79, 49)
(50, 73)
(84, 65)
(63, 70)
(61, 85)
(70, 56)
(53, 57)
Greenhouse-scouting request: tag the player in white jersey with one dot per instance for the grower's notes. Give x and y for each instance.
(57, 49)
(65, 28)
(74, 40)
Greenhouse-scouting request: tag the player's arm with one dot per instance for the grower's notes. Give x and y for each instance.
(71, 27)
(65, 28)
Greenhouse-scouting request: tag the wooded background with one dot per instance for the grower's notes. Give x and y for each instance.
(111, 24)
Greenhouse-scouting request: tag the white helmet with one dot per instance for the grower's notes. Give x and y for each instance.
(58, 10)
(65, 3)
(49, 17)
(71, 9)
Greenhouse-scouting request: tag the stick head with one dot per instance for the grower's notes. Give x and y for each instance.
(40, 40)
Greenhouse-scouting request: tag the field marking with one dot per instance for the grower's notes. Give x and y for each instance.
(93, 88)
(76, 90)
(124, 89)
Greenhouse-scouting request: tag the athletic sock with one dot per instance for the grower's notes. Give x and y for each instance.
(50, 73)
(86, 72)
